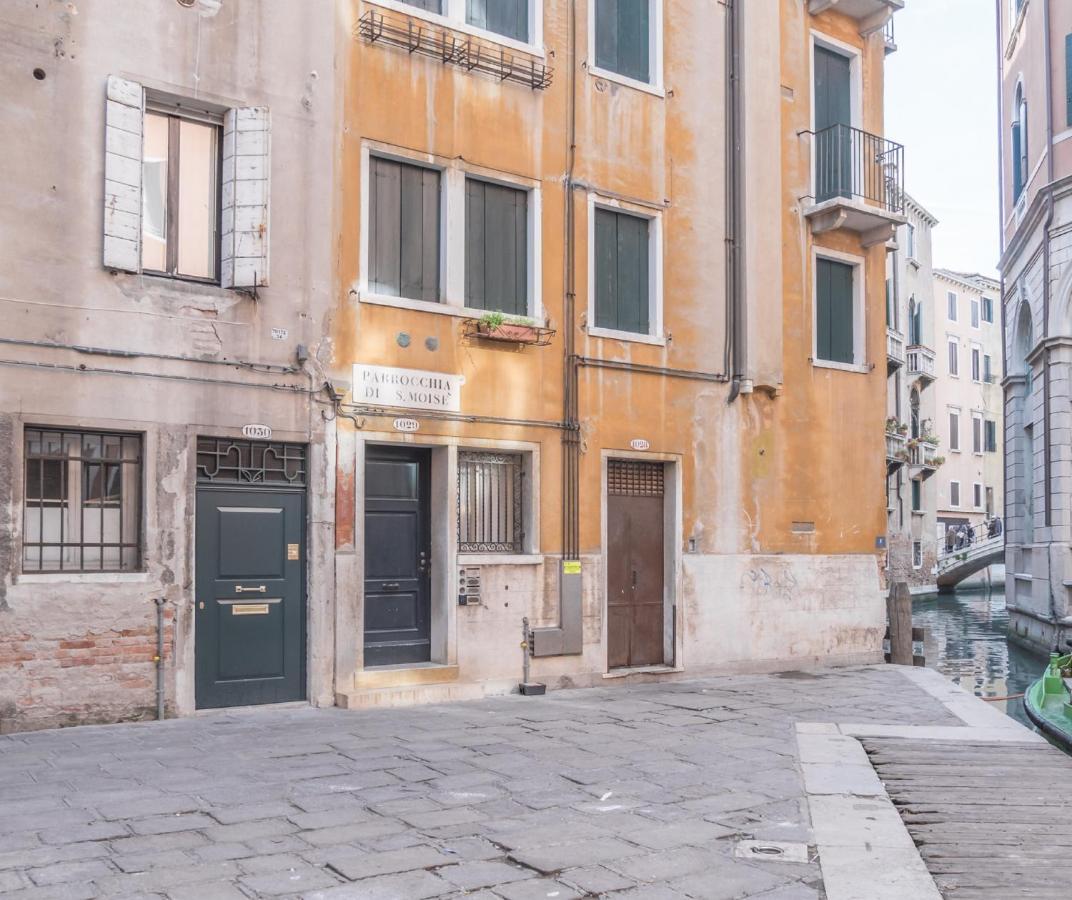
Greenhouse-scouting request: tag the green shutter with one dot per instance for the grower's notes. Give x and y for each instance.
(509, 18)
(384, 228)
(622, 272)
(834, 312)
(623, 37)
(917, 501)
(1017, 181)
(404, 230)
(496, 247)
(1068, 79)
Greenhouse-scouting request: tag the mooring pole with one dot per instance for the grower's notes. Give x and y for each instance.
(899, 612)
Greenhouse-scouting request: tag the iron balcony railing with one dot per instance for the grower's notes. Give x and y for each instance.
(853, 164)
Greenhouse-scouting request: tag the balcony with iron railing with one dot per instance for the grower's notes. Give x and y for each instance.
(895, 351)
(923, 457)
(896, 450)
(870, 15)
(889, 37)
(859, 184)
(921, 363)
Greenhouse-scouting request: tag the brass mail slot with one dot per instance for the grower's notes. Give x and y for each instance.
(249, 609)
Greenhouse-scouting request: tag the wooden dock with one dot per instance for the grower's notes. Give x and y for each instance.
(990, 820)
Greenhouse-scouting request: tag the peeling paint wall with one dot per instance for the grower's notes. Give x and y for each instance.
(78, 647)
(806, 446)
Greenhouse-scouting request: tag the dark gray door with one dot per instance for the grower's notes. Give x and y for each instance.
(397, 556)
(833, 106)
(250, 597)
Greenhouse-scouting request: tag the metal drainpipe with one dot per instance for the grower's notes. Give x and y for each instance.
(736, 334)
(570, 410)
(1001, 241)
(1046, 436)
(159, 658)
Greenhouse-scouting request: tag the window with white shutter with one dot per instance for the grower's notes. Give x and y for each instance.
(183, 196)
(124, 108)
(244, 215)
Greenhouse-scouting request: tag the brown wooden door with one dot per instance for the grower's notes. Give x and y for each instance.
(635, 564)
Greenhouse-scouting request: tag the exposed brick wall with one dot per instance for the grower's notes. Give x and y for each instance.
(50, 679)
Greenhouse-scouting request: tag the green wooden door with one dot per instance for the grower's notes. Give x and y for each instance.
(833, 107)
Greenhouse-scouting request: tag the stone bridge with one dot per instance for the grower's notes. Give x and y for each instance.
(957, 565)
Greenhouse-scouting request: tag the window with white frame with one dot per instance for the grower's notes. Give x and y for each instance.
(185, 187)
(911, 241)
(990, 436)
(626, 40)
(977, 495)
(445, 237)
(490, 502)
(988, 369)
(988, 309)
(951, 306)
(976, 364)
(838, 313)
(917, 554)
(974, 313)
(82, 501)
(954, 429)
(954, 493)
(625, 266)
(954, 357)
(977, 432)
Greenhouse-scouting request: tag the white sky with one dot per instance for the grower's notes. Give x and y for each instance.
(941, 103)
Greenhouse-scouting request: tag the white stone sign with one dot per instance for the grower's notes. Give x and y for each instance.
(407, 388)
(407, 425)
(257, 432)
(639, 444)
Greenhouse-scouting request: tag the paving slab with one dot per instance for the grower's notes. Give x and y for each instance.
(633, 790)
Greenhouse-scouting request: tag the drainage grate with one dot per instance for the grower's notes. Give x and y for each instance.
(772, 851)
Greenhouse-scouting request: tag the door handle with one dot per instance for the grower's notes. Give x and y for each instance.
(250, 590)
(634, 579)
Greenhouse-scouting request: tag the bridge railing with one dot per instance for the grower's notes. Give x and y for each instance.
(984, 546)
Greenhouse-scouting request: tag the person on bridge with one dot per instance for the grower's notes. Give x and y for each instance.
(950, 539)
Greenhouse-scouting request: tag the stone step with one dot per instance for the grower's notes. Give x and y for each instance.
(405, 676)
(408, 695)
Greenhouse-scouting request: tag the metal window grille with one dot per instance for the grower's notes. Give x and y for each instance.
(635, 478)
(230, 461)
(82, 501)
(490, 506)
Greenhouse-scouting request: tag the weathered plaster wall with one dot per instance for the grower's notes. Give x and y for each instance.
(54, 290)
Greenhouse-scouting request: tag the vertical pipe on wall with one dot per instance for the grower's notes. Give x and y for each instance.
(159, 658)
(736, 334)
(570, 413)
(1045, 330)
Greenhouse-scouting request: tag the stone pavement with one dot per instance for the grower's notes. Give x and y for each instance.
(627, 791)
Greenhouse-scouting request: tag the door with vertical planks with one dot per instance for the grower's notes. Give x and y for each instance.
(635, 564)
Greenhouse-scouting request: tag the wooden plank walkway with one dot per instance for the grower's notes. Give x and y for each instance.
(990, 820)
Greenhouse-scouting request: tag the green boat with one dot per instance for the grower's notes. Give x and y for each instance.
(1048, 701)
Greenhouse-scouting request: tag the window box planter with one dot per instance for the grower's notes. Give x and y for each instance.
(509, 332)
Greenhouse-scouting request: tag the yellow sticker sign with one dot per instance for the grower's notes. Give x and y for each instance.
(571, 567)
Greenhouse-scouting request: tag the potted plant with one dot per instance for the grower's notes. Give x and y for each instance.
(506, 328)
(892, 425)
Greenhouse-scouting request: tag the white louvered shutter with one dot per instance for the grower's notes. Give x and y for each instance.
(124, 116)
(246, 165)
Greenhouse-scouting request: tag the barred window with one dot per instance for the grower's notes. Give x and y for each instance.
(82, 507)
(490, 503)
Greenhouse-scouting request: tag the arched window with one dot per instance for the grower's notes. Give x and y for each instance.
(1019, 144)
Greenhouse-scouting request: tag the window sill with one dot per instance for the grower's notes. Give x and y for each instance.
(635, 337)
(463, 27)
(441, 309)
(655, 90)
(842, 367)
(500, 559)
(81, 577)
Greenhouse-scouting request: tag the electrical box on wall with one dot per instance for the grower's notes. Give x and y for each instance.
(468, 585)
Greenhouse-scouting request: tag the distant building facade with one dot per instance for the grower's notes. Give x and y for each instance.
(911, 452)
(969, 415)
(1036, 271)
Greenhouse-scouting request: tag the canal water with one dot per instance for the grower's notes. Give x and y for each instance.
(967, 639)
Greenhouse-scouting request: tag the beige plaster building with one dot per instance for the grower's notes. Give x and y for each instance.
(911, 453)
(969, 410)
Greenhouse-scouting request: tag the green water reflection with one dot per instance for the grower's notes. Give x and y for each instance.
(967, 639)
